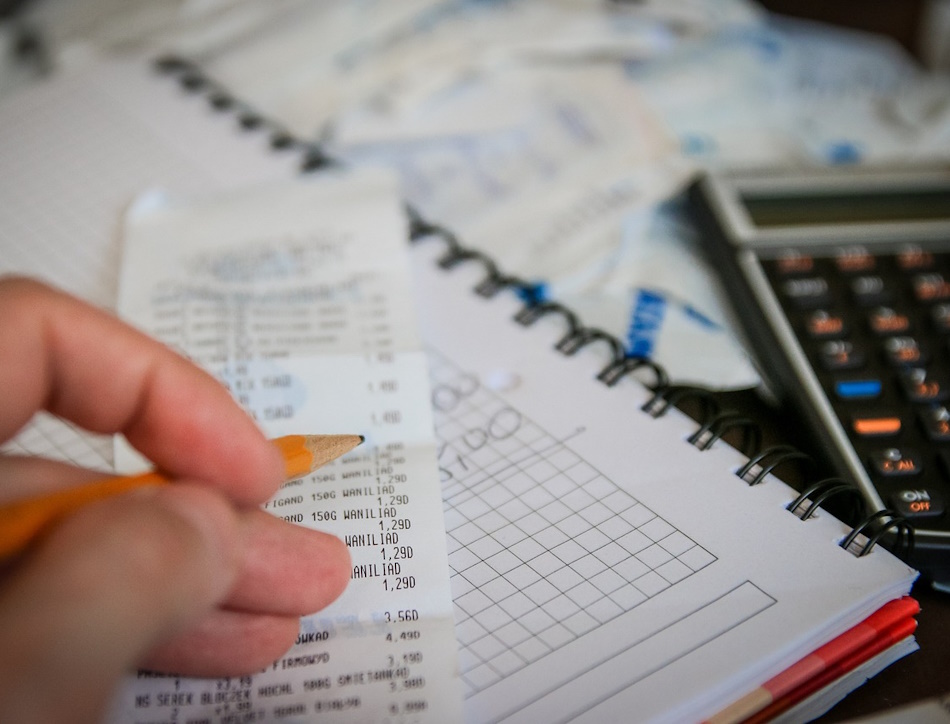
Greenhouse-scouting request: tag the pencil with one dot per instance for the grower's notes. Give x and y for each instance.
(23, 521)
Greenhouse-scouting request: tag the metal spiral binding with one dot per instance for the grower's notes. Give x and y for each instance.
(531, 313)
(874, 527)
(810, 499)
(584, 336)
(192, 79)
(670, 395)
(762, 463)
(495, 281)
(613, 373)
(714, 429)
(714, 422)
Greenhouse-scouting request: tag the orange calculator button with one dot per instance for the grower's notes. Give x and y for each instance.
(876, 426)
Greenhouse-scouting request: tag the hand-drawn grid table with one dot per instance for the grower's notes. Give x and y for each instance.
(543, 548)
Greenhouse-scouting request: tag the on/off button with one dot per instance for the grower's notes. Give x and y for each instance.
(917, 502)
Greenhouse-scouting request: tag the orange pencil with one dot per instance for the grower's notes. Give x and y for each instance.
(21, 522)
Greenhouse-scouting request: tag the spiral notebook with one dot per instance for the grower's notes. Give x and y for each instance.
(611, 559)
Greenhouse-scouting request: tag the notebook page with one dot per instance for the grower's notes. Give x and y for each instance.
(75, 150)
(602, 565)
(296, 296)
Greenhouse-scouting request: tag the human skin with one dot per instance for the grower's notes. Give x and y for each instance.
(191, 578)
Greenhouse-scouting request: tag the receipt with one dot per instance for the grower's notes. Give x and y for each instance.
(571, 197)
(854, 97)
(567, 126)
(296, 296)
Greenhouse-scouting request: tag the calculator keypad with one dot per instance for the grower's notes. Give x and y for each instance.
(876, 331)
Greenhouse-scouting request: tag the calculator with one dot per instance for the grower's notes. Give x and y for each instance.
(840, 280)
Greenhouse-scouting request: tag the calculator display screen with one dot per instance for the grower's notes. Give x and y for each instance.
(852, 207)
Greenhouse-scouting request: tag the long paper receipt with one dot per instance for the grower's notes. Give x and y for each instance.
(296, 296)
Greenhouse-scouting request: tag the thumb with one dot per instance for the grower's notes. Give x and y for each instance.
(105, 587)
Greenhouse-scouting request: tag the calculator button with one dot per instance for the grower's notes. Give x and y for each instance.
(918, 502)
(940, 315)
(913, 258)
(868, 290)
(936, 422)
(876, 426)
(858, 389)
(853, 260)
(793, 262)
(807, 292)
(886, 320)
(823, 324)
(919, 385)
(841, 355)
(931, 287)
(893, 462)
(902, 351)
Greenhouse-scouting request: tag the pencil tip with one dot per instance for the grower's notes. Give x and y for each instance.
(321, 448)
(362, 439)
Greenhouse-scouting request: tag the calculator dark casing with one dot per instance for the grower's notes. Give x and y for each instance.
(718, 205)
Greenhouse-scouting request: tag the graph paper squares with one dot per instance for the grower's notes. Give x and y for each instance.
(50, 437)
(543, 548)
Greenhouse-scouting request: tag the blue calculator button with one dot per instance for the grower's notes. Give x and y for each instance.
(857, 389)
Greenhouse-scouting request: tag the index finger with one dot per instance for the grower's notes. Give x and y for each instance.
(76, 361)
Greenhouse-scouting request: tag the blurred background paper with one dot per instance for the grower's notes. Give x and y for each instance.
(554, 134)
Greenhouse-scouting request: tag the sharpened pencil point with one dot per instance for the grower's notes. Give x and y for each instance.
(325, 448)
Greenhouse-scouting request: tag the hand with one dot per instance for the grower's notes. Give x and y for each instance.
(190, 578)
